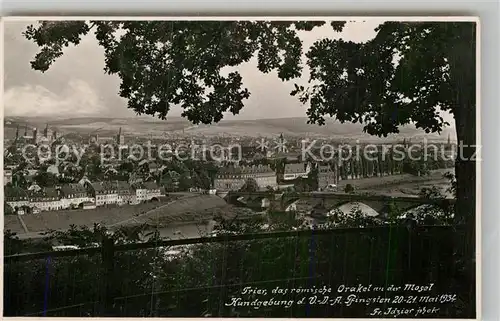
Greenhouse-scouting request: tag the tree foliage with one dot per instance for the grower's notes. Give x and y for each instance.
(407, 74)
(401, 76)
(201, 278)
(166, 63)
(45, 179)
(250, 185)
(349, 188)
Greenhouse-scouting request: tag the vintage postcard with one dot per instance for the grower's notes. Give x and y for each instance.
(320, 167)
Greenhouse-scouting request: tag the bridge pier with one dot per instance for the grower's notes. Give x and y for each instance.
(382, 204)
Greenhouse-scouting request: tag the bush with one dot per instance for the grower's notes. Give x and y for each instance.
(349, 188)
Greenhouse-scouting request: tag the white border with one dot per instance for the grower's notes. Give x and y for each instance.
(288, 18)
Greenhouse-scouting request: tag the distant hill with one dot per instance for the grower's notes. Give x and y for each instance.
(142, 126)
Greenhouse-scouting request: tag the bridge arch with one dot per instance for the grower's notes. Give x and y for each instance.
(347, 206)
(286, 202)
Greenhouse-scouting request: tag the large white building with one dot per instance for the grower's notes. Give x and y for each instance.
(233, 178)
(104, 193)
(121, 192)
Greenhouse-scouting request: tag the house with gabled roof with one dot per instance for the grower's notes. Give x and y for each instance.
(74, 195)
(104, 193)
(145, 191)
(46, 199)
(125, 192)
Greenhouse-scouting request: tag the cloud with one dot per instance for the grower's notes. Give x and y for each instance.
(78, 98)
(76, 85)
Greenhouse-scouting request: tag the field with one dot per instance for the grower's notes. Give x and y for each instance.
(189, 208)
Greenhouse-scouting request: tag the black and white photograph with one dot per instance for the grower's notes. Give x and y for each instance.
(283, 167)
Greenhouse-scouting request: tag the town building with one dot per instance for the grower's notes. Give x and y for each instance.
(120, 139)
(136, 178)
(152, 190)
(327, 176)
(46, 137)
(296, 170)
(146, 191)
(26, 137)
(47, 133)
(74, 195)
(7, 176)
(104, 193)
(140, 193)
(36, 136)
(16, 197)
(125, 192)
(154, 168)
(233, 178)
(53, 169)
(46, 199)
(89, 205)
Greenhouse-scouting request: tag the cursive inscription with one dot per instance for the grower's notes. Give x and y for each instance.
(408, 300)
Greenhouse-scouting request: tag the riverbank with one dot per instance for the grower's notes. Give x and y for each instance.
(191, 213)
(187, 208)
(399, 185)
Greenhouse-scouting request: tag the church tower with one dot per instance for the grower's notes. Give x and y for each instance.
(35, 136)
(120, 140)
(281, 144)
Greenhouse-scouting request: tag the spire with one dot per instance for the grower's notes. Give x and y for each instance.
(26, 130)
(119, 137)
(17, 132)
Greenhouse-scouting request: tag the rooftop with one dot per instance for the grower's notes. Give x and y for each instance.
(243, 170)
(68, 189)
(14, 192)
(295, 168)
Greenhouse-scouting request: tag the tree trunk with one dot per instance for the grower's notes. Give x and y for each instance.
(463, 79)
(465, 206)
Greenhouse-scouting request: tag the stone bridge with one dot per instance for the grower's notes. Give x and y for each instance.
(379, 203)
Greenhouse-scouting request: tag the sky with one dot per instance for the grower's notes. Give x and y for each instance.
(76, 84)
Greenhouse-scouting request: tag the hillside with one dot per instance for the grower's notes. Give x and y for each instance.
(141, 126)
